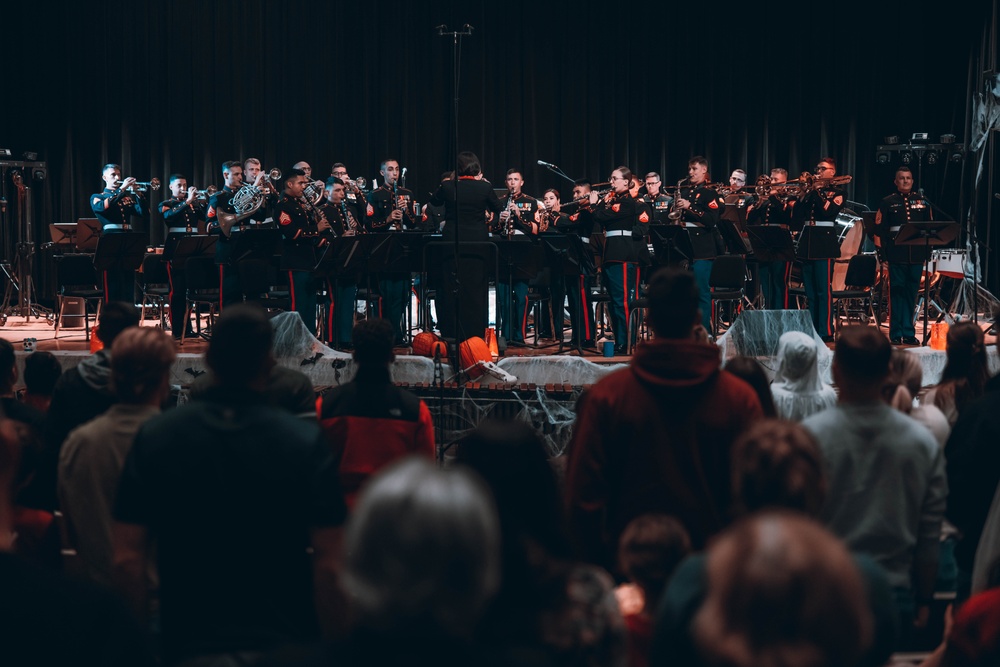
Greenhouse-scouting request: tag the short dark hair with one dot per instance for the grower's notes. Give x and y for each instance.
(862, 354)
(140, 363)
(650, 549)
(653, 174)
(111, 165)
(373, 341)
(229, 164)
(338, 164)
(176, 177)
(903, 167)
(41, 371)
(332, 181)
(292, 173)
(833, 163)
(7, 361)
(698, 159)
(673, 303)
(582, 182)
(515, 170)
(387, 160)
(116, 317)
(240, 349)
(468, 164)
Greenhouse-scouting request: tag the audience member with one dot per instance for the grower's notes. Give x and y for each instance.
(750, 371)
(287, 388)
(41, 372)
(91, 459)
(649, 551)
(881, 464)
(781, 590)
(370, 422)
(973, 462)
(965, 375)
(234, 493)
(657, 436)
(13, 408)
(422, 561)
(797, 388)
(906, 378)
(47, 620)
(776, 465)
(82, 393)
(550, 609)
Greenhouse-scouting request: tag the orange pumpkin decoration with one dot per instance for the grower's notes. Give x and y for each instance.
(471, 351)
(424, 342)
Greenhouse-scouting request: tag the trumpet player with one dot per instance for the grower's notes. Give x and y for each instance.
(183, 213)
(392, 211)
(115, 207)
(303, 229)
(819, 207)
(581, 222)
(354, 197)
(774, 210)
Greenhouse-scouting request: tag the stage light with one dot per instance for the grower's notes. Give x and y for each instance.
(957, 154)
(906, 157)
(4, 152)
(932, 157)
(882, 157)
(919, 137)
(892, 140)
(39, 174)
(30, 156)
(947, 138)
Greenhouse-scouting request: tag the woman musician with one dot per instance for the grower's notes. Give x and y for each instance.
(618, 215)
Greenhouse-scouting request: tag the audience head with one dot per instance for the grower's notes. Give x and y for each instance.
(468, 164)
(240, 350)
(41, 371)
(861, 362)
(750, 371)
(673, 303)
(781, 591)
(140, 365)
(116, 317)
(422, 551)
(777, 464)
(906, 377)
(8, 366)
(649, 550)
(797, 357)
(511, 458)
(373, 340)
(967, 357)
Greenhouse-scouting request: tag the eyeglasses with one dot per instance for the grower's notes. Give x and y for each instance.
(822, 168)
(615, 178)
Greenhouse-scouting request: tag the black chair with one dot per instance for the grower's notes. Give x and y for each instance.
(637, 326)
(539, 304)
(263, 283)
(77, 279)
(859, 283)
(203, 282)
(154, 282)
(727, 282)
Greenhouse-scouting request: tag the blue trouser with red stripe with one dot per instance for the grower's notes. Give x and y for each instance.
(702, 269)
(816, 277)
(621, 279)
(303, 293)
(513, 317)
(904, 284)
(581, 312)
(774, 284)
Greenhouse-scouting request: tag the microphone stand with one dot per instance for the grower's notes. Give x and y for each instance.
(556, 170)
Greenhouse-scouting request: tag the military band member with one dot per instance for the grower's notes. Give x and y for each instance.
(303, 230)
(551, 219)
(342, 288)
(516, 218)
(354, 197)
(819, 207)
(905, 262)
(701, 207)
(658, 200)
(774, 211)
(115, 207)
(392, 211)
(617, 213)
(183, 213)
(229, 278)
(580, 221)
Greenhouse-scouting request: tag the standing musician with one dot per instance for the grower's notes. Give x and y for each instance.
(303, 229)
(581, 223)
(392, 211)
(353, 196)
(618, 213)
(774, 211)
(701, 206)
(230, 290)
(343, 289)
(517, 217)
(115, 207)
(905, 262)
(183, 213)
(551, 219)
(819, 207)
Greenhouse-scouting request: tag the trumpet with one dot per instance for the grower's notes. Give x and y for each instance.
(358, 184)
(204, 195)
(142, 186)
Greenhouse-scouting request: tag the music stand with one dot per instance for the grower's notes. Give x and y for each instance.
(567, 255)
(63, 233)
(816, 242)
(927, 234)
(88, 231)
(736, 236)
(671, 244)
(522, 256)
(771, 243)
(255, 244)
(181, 247)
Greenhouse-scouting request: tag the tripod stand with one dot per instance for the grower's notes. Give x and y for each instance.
(20, 274)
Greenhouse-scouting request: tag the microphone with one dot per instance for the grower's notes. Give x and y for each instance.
(547, 164)
(997, 195)
(441, 28)
(403, 174)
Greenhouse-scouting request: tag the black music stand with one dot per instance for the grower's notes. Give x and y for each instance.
(567, 255)
(121, 250)
(63, 233)
(816, 242)
(927, 234)
(671, 244)
(88, 231)
(255, 244)
(523, 259)
(736, 236)
(181, 247)
(771, 243)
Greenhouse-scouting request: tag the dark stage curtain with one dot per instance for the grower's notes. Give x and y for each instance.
(181, 86)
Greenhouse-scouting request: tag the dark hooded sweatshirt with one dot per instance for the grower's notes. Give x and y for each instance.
(656, 437)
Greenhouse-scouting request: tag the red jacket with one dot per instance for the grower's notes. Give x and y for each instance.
(656, 437)
(370, 423)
